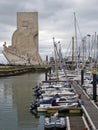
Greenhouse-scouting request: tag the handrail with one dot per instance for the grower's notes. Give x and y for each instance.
(89, 119)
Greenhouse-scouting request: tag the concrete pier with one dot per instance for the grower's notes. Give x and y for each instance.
(8, 70)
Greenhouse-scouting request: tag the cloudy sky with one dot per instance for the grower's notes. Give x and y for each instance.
(56, 19)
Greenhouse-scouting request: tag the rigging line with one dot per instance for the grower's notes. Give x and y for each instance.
(78, 25)
(79, 29)
(66, 51)
(68, 48)
(94, 42)
(93, 46)
(57, 50)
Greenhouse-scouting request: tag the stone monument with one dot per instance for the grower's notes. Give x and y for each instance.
(24, 48)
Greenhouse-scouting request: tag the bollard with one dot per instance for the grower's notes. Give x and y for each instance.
(50, 71)
(94, 85)
(85, 128)
(46, 74)
(82, 76)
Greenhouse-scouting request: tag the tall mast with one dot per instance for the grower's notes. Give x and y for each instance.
(55, 56)
(60, 56)
(83, 42)
(95, 41)
(97, 53)
(76, 40)
(72, 52)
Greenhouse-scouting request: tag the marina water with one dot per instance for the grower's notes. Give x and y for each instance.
(16, 95)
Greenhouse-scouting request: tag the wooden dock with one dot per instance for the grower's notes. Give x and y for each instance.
(76, 123)
(89, 108)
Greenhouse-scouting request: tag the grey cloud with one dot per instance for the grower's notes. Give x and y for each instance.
(55, 18)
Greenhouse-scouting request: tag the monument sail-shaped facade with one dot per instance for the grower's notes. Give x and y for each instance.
(24, 48)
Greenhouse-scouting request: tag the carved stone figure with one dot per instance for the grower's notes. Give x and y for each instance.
(24, 48)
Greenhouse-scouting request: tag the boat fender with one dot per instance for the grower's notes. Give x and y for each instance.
(81, 102)
(85, 128)
(79, 95)
(38, 94)
(33, 107)
(39, 97)
(36, 90)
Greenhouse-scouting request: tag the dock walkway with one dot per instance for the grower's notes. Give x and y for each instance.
(89, 108)
(76, 123)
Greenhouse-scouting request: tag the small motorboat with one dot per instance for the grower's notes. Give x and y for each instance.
(54, 122)
(46, 107)
(60, 92)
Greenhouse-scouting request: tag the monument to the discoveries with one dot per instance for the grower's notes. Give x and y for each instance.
(24, 47)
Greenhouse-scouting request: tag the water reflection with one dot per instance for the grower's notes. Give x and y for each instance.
(16, 95)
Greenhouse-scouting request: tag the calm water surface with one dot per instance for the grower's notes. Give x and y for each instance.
(16, 95)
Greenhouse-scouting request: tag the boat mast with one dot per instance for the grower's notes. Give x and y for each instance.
(60, 56)
(96, 46)
(84, 47)
(76, 40)
(97, 54)
(55, 58)
(72, 52)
